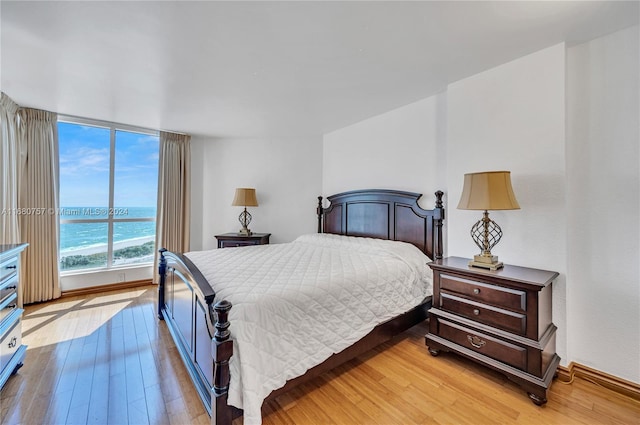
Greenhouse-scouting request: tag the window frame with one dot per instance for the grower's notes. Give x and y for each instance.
(111, 218)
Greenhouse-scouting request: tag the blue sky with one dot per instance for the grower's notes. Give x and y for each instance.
(84, 167)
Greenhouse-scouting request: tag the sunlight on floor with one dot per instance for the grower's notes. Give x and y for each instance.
(53, 307)
(108, 298)
(71, 319)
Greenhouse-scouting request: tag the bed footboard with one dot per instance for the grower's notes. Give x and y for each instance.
(200, 330)
(222, 350)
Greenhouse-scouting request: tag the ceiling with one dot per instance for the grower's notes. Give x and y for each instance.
(265, 69)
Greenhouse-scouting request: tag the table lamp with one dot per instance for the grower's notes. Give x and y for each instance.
(245, 197)
(489, 190)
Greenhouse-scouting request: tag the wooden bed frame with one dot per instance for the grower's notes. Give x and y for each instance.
(199, 323)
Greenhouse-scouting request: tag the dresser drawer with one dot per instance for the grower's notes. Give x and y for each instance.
(7, 306)
(10, 343)
(8, 268)
(484, 344)
(484, 313)
(8, 287)
(511, 299)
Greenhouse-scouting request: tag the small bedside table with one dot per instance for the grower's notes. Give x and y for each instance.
(228, 240)
(499, 318)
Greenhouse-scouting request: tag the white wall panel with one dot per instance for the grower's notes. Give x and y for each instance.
(603, 198)
(286, 174)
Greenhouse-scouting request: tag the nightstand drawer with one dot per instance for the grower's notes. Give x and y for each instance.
(484, 313)
(232, 244)
(484, 344)
(231, 240)
(483, 292)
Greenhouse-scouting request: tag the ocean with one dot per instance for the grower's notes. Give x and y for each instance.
(75, 236)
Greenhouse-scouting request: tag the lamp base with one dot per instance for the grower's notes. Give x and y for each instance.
(245, 231)
(486, 262)
(245, 219)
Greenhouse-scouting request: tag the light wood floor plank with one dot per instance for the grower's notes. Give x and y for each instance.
(107, 359)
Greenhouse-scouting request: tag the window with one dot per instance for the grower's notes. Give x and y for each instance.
(108, 195)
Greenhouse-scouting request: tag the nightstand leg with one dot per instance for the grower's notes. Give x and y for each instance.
(537, 400)
(434, 352)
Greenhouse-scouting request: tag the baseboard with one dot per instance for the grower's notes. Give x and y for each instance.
(619, 385)
(105, 288)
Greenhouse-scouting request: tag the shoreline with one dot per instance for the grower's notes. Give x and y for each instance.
(96, 249)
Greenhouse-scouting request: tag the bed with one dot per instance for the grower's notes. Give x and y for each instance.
(198, 317)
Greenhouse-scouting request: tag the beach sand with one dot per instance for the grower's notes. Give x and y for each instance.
(95, 249)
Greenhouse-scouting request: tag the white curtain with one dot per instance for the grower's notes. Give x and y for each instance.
(9, 158)
(174, 197)
(39, 197)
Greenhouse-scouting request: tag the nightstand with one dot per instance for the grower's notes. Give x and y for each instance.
(228, 240)
(499, 318)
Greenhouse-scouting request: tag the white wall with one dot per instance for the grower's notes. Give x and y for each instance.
(603, 187)
(89, 279)
(403, 149)
(512, 117)
(566, 123)
(285, 172)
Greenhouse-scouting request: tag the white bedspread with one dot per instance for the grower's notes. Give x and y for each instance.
(296, 304)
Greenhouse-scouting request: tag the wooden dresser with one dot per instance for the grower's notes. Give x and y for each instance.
(500, 318)
(12, 352)
(228, 240)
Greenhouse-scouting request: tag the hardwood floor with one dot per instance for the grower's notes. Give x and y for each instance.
(106, 359)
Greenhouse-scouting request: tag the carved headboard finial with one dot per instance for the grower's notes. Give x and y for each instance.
(319, 212)
(437, 220)
(439, 194)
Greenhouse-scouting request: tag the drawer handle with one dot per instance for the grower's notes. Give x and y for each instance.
(12, 267)
(12, 306)
(476, 312)
(476, 341)
(11, 287)
(476, 291)
(13, 342)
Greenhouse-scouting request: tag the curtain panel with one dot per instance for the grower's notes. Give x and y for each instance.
(9, 162)
(38, 197)
(174, 194)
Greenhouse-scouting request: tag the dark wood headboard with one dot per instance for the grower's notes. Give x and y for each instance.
(385, 214)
